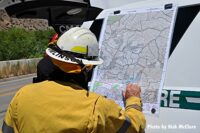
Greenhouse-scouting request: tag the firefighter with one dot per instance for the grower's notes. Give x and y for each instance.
(64, 104)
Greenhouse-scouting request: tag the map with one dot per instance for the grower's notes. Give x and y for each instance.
(135, 48)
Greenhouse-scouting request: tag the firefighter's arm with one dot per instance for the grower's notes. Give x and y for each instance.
(133, 111)
(134, 106)
(9, 123)
(130, 120)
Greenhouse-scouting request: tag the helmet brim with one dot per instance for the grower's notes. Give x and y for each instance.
(55, 55)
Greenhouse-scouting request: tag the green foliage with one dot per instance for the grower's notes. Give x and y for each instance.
(18, 43)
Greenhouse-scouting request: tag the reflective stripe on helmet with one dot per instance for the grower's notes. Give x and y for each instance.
(79, 49)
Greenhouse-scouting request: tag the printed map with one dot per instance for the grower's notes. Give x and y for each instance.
(135, 49)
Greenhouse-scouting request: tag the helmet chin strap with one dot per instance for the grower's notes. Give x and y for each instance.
(87, 68)
(86, 72)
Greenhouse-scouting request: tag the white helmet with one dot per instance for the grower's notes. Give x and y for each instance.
(77, 45)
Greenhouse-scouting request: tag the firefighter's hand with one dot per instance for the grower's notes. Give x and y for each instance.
(132, 90)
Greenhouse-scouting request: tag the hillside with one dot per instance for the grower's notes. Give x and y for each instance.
(7, 22)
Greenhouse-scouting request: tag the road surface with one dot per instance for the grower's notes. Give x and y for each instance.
(8, 88)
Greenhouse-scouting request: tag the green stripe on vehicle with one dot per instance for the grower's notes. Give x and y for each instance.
(181, 99)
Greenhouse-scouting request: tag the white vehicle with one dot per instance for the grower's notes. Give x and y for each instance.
(180, 100)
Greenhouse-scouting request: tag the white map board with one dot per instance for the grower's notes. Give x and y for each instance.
(135, 47)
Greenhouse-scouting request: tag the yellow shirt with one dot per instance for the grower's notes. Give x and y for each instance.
(52, 107)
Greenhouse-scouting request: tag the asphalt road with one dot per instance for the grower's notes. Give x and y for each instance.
(8, 88)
